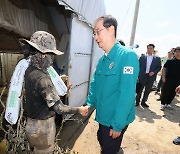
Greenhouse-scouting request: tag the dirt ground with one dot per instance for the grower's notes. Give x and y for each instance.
(151, 133)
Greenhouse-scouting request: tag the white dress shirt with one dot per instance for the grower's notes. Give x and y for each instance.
(148, 63)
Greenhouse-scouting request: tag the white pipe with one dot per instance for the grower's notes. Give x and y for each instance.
(134, 23)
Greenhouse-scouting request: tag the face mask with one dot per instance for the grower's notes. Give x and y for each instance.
(47, 60)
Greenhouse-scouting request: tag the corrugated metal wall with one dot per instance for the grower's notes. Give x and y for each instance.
(83, 51)
(89, 9)
(8, 62)
(79, 61)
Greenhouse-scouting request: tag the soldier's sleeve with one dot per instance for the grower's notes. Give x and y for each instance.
(47, 91)
(49, 94)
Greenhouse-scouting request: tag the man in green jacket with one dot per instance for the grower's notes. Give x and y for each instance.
(112, 89)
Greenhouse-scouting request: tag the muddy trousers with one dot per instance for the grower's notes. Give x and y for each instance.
(107, 143)
(41, 135)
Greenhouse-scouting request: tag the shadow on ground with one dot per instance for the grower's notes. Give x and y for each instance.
(143, 114)
(171, 115)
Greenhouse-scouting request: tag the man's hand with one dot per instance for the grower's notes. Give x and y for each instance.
(64, 78)
(151, 73)
(84, 110)
(67, 83)
(114, 134)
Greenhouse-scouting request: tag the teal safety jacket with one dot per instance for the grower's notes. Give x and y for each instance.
(113, 86)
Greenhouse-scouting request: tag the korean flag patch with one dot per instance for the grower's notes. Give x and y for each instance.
(128, 70)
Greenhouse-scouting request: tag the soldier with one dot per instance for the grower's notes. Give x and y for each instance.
(42, 100)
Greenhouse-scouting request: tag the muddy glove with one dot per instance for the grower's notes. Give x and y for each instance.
(60, 108)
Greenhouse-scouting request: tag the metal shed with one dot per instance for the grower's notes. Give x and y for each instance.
(71, 22)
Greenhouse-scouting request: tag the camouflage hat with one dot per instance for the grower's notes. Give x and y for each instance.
(44, 42)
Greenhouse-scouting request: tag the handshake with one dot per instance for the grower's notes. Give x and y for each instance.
(84, 110)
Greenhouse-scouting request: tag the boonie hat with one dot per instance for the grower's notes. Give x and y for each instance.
(44, 42)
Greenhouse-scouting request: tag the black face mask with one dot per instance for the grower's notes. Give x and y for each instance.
(47, 61)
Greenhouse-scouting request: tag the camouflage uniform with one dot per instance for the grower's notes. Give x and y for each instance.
(42, 100)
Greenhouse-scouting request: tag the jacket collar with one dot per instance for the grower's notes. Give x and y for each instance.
(112, 52)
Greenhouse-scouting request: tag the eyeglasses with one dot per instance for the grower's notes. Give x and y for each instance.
(97, 32)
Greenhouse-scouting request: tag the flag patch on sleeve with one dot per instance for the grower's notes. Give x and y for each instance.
(128, 70)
